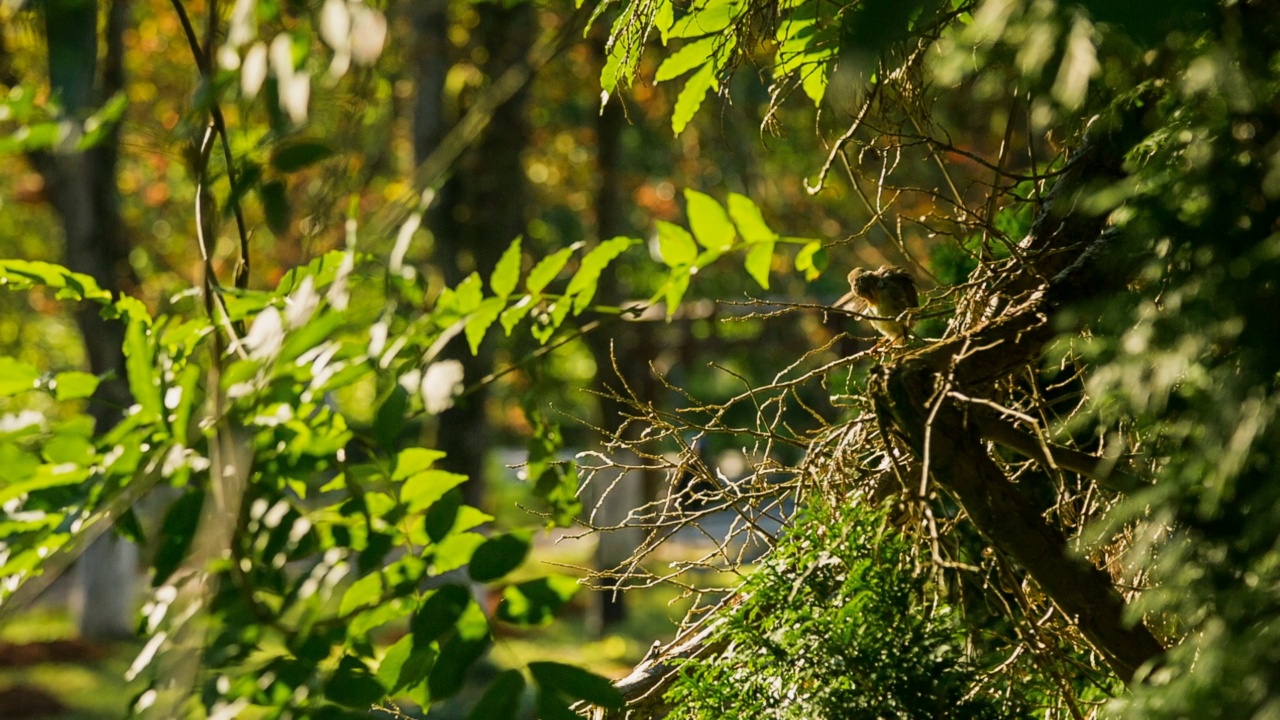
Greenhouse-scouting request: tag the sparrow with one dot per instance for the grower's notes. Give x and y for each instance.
(886, 294)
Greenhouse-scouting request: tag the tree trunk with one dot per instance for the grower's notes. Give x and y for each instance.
(632, 350)
(480, 209)
(82, 189)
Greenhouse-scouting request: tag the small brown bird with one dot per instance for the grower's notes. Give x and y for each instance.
(886, 294)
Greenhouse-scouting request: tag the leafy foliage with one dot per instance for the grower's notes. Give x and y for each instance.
(838, 624)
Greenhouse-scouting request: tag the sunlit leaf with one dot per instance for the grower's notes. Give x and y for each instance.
(709, 221)
(507, 272)
(455, 551)
(546, 270)
(480, 319)
(365, 591)
(674, 291)
(406, 663)
(16, 377)
(688, 57)
(812, 259)
(609, 74)
(24, 274)
(423, 488)
(469, 293)
(139, 356)
(512, 316)
(814, 83)
(44, 477)
(749, 220)
(759, 259)
(535, 602)
(584, 283)
(675, 245)
(66, 448)
(706, 18)
(691, 97)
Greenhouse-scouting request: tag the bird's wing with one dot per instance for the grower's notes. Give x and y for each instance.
(852, 302)
(904, 284)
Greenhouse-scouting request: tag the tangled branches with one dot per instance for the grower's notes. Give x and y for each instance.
(963, 434)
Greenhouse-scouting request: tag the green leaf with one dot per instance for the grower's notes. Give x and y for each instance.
(389, 421)
(750, 221)
(188, 384)
(26, 274)
(455, 551)
(442, 516)
(70, 385)
(577, 683)
(611, 71)
(709, 222)
(498, 556)
(411, 461)
(584, 283)
(423, 489)
(406, 663)
(664, 18)
(480, 319)
(515, 313)
(814, 83)
(674, 291)
(675, 245)
(468, 517)
(552, 319)
(69, 448)
(365, 591)
(139, 364)
(353, 685)
(457, 655)
(546, 270)
(691, 97)
(707, 18)
(501, 700)
(97, 127)
(275, 205)
(693, 54)
(247, 179)
(44, 477)
(16, 377)
(551, 706)
(439, 612)
(178, 530)
(322, 271)
(507, 272)
(469, 294)
(18, 464)
(759, 259)
(536, 602)
(293, 158)
(812, 259)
